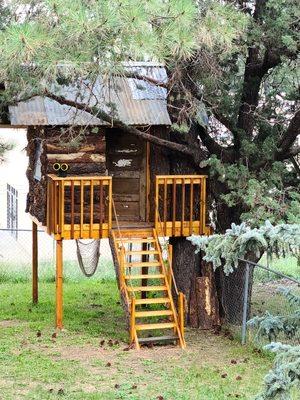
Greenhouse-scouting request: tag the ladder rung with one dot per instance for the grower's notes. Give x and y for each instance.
(143, 264)
(162, 325)
(156, 313)
(160, 300)
(142, 252)
(147, 276)
(146, 288)
(157, 339)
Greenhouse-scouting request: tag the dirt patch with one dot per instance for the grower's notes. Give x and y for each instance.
(11, 323)
(201, 349)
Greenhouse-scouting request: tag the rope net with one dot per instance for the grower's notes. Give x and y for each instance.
(88, 254)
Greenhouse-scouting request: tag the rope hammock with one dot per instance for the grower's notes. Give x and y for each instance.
(88, 254)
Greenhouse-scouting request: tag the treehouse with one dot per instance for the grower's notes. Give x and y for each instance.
(113, 184)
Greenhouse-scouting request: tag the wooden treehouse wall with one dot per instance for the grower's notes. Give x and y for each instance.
(98, 154)
(89, 158)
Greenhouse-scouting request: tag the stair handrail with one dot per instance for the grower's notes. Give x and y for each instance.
(117, 221)
(168, 255)
(132, 294)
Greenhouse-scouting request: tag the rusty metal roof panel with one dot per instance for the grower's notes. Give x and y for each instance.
(134, 101)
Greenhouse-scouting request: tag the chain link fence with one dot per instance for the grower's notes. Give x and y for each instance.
(16, 257)
(264, 293)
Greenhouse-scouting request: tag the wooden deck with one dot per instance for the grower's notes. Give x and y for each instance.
(81, 207)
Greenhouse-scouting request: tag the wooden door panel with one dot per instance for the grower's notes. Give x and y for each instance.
(126, 185)
(128, 211)
(126, 163)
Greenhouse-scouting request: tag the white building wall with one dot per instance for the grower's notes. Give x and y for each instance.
(13, 172)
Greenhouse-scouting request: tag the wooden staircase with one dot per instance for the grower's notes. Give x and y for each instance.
(146, 280)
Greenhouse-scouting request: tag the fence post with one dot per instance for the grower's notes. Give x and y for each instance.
(245, 307)
(35, 290)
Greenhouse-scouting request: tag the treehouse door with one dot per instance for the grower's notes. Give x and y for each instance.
(126, 163)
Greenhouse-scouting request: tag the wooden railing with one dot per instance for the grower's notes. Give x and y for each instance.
(180, 205)
(79, 207)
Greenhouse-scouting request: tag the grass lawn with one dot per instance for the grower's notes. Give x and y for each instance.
(288, 266)
(75, 365)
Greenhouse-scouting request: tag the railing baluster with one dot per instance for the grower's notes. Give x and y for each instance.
(191, 205)
(101, 206)
(156, 203)
(72, 209)
(165, 205)
(182, 205)
(91, 206)
(202, 205)
(174, 206)
(55, 210)
(109, 182)
(62, 206)
(81, 206)
(48, 206)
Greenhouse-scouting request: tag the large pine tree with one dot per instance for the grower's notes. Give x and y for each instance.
(233, 93)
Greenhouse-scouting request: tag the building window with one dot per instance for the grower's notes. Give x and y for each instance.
(12, 211)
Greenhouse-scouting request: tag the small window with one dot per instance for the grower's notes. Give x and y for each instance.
(12, 211)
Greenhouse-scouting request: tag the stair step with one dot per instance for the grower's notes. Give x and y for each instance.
(147, 276)
(156, 313)
(157, 339)
(162, 325)
(142, 252)
(137, 240)
(143, 264)
(160, 300)
(146, 288)
(135, 233)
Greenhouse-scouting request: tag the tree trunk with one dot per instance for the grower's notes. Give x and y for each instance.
(186, 267)
(230, 287)
(189, 269)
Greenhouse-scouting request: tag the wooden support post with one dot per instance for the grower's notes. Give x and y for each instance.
(181, 313)
(132, 321)
(122, 268)
(145, 258)
(35, 291)
(170, 251)
(59, 284)
(156, 205)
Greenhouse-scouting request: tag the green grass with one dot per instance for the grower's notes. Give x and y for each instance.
(287, 266)
(21, 272)
(75, 366)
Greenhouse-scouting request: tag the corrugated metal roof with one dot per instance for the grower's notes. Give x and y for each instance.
(135, 101)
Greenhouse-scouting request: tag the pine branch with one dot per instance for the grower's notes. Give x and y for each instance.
(196, 153)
